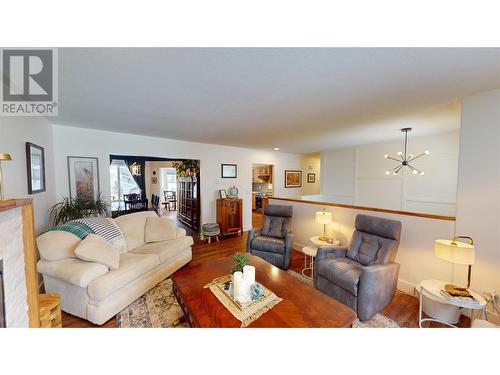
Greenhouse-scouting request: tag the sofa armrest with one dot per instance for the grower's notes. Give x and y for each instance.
(180, 232)
(377, 285)
(252, 233)
(72, 270)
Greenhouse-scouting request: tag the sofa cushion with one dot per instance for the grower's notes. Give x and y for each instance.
(96, 249)
(158, 229)
(133, 226)
(132, 266)
(269, 244)
(343, 272)
(166, 250)
(56, 245)
(74, 271)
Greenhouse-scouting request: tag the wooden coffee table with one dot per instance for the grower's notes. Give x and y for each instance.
(302, 305)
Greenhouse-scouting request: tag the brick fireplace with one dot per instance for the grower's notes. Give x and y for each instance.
(18, 280)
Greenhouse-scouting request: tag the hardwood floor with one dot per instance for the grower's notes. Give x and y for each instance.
(403, 308)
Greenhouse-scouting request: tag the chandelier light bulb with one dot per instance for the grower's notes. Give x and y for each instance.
(395, 173)
(387, 172)
(400, 153)
(414, 172)
(421, 173)
(386, 156)
(427, 152)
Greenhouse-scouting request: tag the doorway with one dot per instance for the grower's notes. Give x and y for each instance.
(262, 189)
(170, 187)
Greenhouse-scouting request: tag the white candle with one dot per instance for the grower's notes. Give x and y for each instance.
(248, 278)
(238, 285)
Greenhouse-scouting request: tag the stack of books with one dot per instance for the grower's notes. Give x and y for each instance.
(459, 295)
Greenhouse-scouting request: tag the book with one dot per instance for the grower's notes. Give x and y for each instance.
(470, 300)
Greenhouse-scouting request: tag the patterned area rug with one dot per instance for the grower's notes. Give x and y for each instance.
(378, 321)
(158, 308)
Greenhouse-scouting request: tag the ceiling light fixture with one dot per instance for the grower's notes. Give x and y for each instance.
(276, 149)
(405, 159)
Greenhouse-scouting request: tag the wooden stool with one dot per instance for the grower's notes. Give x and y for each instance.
(50, 310)
(210, 230)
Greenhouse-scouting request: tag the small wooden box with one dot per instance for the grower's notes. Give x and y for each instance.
(50, 311)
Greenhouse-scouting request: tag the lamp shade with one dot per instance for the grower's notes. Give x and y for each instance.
(5, 156)
(454, 251)
(323, 217)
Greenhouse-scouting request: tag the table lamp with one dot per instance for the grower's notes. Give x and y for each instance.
(3, 157)
(323, 217)
(456, 252)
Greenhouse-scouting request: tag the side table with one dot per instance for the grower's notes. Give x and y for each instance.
(310, 252)
(431, 289)
(50, 310)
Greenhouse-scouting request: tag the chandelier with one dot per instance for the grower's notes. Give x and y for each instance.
(405, 159)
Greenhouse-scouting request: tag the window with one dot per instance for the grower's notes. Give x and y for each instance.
(122, 182)
(168, 179)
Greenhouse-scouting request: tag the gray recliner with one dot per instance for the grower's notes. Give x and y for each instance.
(273, 242)
(362, 276)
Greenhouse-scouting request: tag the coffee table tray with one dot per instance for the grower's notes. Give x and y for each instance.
(224, 283)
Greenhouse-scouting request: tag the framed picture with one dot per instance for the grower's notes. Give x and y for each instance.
(35, 165)
(293, 178)
(222, 194)
(83, 174)
(229, 170)
(311, 178)
(154, 180)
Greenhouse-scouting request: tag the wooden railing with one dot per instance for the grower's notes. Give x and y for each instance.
(363, 208)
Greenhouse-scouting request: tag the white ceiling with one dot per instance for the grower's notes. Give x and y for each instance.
(301, 99)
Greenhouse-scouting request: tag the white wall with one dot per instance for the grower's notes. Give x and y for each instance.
(97, 143)
(311, 163)
(478, 203)
(356, 176)
(14, 133)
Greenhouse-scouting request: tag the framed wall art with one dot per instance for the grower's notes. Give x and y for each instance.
(35, 165)
(293, 178)
(311, 178)
(229, 170)
(83, 174)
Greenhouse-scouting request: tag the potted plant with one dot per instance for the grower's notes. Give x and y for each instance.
(76, 208)
(240, 261)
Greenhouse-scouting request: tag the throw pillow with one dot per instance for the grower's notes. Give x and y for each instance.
(56, 245)
(158, 229)
(96, 249)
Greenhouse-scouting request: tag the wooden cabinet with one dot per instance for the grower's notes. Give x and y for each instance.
(230, 216)
(188, 202)
(262, 173)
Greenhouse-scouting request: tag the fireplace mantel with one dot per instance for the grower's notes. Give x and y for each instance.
(24, 208)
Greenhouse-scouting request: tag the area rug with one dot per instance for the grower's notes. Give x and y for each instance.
(378, 321)
(158, 308)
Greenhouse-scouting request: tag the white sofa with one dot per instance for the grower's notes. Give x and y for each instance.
(94, 292)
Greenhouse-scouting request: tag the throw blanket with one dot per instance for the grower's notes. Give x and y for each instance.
(78, 229)
(107, 229)
(104, 227)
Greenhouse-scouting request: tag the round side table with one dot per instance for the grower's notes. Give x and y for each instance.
(310, 254)
(439, 306)
(316, 241)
